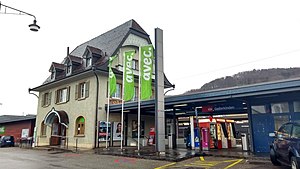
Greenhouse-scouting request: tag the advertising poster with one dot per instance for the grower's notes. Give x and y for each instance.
(117, 131)
(102, 130)
(25, 133)
(135, 129)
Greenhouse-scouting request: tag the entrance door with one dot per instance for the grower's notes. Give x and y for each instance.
(263, 124)
(55, 133)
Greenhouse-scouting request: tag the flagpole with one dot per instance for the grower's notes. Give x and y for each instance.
(107, 114)
(139, 101)
(123, 87)
(122, 121)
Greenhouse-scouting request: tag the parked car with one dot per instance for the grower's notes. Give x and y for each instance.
(7, 141)
(285, 148)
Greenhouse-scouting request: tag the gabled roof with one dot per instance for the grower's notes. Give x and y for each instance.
(107, 45)
(11, 118)
(110, 41)
(75, 59)
(94, 50)
(57, 66)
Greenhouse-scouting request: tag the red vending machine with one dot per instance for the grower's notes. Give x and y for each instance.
(205, 139)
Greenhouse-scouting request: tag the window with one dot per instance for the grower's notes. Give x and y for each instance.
(118, 92)
(135, 65)
(62, 95)
(296, 106)
(53, 74)
(43, 129)
(88, 59)
(46, 99)
(80, 125)
(280, 107)
(259, 109)
(296, 132)
(135, 94)
(280, 120)
(82, 90)
(285, 131)
(68, 68)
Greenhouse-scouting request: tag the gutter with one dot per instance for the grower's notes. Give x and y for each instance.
(96, 109)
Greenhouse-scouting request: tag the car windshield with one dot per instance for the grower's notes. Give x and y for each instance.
(296, 131)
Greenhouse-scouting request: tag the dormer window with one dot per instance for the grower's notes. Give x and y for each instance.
(53, 74)
(88, 58)
(68, 68)
(88, 61)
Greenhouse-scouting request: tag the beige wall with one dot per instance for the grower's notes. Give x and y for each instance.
(74, 109)
(86, 108)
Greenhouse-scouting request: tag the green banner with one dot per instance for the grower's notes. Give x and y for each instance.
(112, 78)
(2, 130)
(128, 80)
(146, 69)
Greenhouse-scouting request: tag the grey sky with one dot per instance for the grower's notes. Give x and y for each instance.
(203, 40)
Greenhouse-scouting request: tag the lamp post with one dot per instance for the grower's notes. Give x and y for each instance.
(33, 27)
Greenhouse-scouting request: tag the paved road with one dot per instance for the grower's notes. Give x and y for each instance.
(219, 163)
(15, 158)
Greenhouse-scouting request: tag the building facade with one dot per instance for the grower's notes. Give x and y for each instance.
(73, 100)
(17, 126)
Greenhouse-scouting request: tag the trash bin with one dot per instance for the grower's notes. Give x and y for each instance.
(170, 141)
(245, 141)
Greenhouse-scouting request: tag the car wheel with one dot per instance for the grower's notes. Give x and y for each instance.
(294, 164)
(274, 158)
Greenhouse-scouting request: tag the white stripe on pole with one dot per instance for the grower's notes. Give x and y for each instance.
(123, 86)
(139, 101)
(107, 113)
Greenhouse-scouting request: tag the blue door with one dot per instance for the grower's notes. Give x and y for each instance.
(263, 124)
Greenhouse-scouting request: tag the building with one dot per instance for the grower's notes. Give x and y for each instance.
(17, 126)
(72, 100)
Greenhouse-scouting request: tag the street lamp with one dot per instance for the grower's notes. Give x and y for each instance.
(33, 27)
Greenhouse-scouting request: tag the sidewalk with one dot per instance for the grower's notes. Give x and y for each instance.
(180, 154)
(173, 155)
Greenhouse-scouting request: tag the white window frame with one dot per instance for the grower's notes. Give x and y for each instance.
(118, 93)
(62, 95)
(135, 65)
(82, 89)
(68, 68)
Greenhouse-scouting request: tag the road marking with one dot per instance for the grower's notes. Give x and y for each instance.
(164, 166)
(125, 160)
(233, 164)
(201, 158)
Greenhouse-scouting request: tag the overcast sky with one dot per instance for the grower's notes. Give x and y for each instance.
(203, 40)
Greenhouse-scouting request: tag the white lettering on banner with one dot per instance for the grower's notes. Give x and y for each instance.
(147, 63)
(111, 74)
(129, 72)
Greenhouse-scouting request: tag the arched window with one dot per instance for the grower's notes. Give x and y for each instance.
(80, 125)
(43, 129)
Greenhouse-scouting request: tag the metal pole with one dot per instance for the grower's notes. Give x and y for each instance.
(197, 127)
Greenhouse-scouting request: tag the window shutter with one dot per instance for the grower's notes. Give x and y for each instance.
(68, 93)
(56, 96)
(43, 99)
(87, 87)
(76, 92)
(49, 98)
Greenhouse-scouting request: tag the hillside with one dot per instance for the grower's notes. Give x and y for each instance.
(250, 77)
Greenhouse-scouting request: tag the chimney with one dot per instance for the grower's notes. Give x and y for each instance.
(68, 51)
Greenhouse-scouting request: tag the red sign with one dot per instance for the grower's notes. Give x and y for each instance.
(206, 109)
